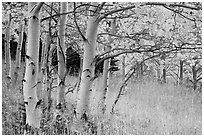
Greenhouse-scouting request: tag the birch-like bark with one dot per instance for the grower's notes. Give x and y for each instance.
(89, 53)
(49, 78)
(30, 83)
(18, 54)
(45, 69)
(7, 51)
(61, 56)
(40, 74)
(88, 62)
(106, 73)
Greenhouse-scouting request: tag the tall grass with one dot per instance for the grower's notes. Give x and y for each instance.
(146, 108)
(152, 108)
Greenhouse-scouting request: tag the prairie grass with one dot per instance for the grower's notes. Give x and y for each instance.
(151, 108)
(146, 108)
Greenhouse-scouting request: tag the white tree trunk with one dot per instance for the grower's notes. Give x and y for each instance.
(49, 78)
(40, 74)
(18, 54)
(106, 73)
(29, 86)
(61, 56)
(45, 83)
(7, 51)
(88, 62)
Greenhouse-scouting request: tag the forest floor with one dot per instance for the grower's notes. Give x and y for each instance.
(147, 108)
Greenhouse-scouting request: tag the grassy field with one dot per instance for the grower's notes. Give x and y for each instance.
(147, 108)
(151, 108)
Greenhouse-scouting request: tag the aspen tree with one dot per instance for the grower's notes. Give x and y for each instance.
(158, 71)
(61, 56)
(88, 61)
(123, 71)
(163, 57)
(164, 71)
(106, 73)
(40, 75)
(181, 72)
(49, 78)
(29, 85)
(89, 54)
(164, 75)
(45, 69)
(195, 77)
(18, 53)
(7, 51)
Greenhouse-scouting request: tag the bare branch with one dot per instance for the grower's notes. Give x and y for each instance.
(179, 13)
(126, 80)
(114, 11)
(83, 37)
(101, 6)
(167, 6)
(138, 50)
(59, 14)
(51, 7)
(50, 13)
(38, 7)
(121, 89)
(172, 5)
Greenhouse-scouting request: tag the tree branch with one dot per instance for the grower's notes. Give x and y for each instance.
(126, 80)
(101, 6)
(179, 13)
(171, 5)
(59, 14)
(114, 11)
(121, 89)
(38, 7)
(50, 13)
(75, 21)
(51, 7)
(133, 51)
